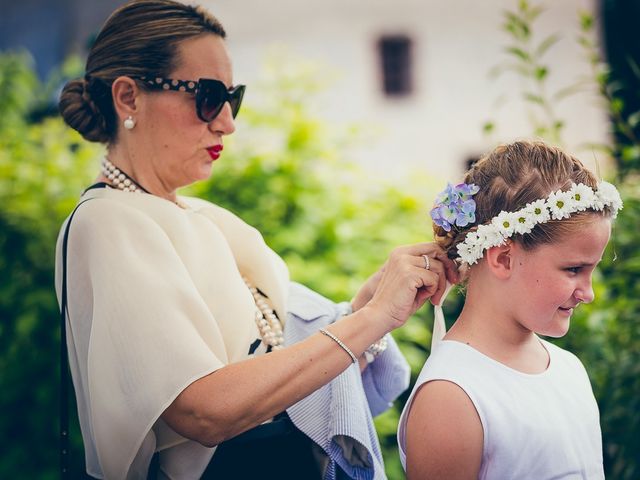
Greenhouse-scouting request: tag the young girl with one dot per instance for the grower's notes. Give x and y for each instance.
(494, 400)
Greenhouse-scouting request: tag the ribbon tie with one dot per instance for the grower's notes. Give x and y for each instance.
(439, 327)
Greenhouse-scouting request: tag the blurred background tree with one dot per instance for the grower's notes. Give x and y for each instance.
(285, 172)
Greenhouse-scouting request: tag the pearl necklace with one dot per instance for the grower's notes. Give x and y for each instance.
(124, 182)
(118, 178)
(267, 320)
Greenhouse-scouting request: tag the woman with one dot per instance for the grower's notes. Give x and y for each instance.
(172, 301)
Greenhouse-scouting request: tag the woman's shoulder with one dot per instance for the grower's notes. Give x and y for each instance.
(211, 209)
(233, 227)
(113, 209)
(109, 216)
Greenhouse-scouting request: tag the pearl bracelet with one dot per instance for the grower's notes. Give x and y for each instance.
(339, 342)
(376, 349)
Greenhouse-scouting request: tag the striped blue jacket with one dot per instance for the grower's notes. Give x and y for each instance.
(338, 417)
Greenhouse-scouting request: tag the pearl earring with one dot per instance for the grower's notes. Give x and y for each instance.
(129, 123)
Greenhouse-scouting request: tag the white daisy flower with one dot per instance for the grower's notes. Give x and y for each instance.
(525, 221)
(468, 253)
(608, 195)
(539, 211)
(505, 222)
(582, 195)
(491, 236)
(560, 204)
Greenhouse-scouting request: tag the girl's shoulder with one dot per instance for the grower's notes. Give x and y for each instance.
(563, 359)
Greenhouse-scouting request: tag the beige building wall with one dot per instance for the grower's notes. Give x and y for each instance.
(455, 44)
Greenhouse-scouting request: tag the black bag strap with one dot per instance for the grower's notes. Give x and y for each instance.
(64, 355)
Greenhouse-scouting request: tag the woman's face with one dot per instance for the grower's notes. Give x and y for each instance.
(176, 143)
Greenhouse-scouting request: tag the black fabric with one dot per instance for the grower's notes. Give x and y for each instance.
(275, 450)
(272, 450)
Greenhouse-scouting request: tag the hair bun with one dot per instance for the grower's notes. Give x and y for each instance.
(81, 113)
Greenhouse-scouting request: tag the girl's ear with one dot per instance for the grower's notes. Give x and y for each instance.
(500, 260)
(125, 93)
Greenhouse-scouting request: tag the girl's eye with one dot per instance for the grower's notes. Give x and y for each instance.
(573, 269)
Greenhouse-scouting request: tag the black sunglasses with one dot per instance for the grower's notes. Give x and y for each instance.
(211, 95)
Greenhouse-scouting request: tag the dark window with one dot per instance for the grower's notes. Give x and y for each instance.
(395, 60)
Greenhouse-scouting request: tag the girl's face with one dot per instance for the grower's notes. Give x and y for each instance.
(552, 279)
(176, 142)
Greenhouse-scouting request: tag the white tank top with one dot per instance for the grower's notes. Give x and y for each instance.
(543, 426)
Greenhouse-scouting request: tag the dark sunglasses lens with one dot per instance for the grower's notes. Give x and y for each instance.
(210, 99)
(235, 99)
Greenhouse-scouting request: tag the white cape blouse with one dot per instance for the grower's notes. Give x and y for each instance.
(156, 301)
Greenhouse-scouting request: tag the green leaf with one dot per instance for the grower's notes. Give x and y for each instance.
(541, 73)
(533, 98)
(488, 127)
(546, 44)
(518, 53)
(617, 105)
(570, 91)
(634, 119)
(586, 20)
(534, 13)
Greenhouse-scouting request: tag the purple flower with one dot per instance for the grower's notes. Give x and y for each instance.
(466, 214)
(443, 216)
(454, 206)
(466, 191)
(447, 196)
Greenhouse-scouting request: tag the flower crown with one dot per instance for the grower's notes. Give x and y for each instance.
(455, 203)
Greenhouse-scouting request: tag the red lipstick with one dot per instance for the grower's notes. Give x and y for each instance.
(214, 151)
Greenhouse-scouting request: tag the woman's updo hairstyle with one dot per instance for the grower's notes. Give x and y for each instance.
(513, 175)
(140, 38)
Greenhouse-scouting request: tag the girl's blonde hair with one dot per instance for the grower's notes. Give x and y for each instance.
(513, 175)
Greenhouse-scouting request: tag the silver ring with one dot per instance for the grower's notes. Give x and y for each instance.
(427, 262)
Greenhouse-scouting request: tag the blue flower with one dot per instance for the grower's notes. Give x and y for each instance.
(466, 191)
(454, 206)
(443, 216)
(466, 214)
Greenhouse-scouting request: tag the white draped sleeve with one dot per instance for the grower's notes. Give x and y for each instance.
(151, 332)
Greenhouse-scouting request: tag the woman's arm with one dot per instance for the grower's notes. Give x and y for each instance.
(444, 434)
(240, 396)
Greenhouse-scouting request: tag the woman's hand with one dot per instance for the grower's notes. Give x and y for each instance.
(439, 263)
(404, 283)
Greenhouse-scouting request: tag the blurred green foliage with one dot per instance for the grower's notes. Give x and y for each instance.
(286, 173)
(43, 168)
